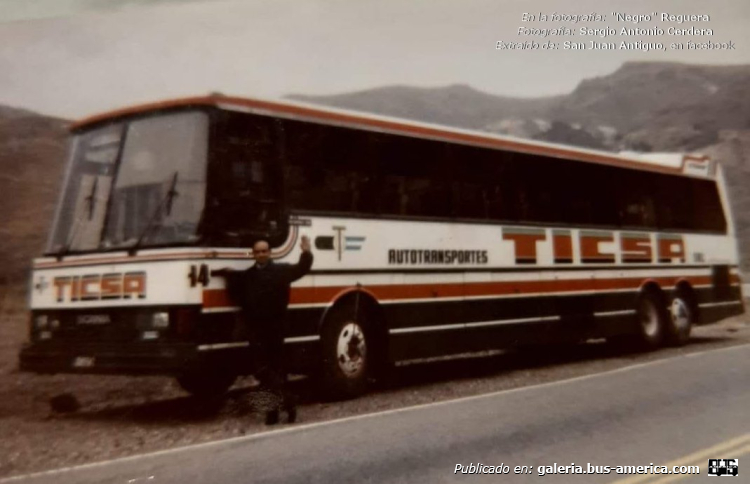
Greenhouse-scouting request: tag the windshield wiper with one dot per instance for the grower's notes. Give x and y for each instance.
(91, 201)
(165, 202)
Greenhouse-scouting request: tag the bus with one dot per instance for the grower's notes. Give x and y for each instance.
(428, 241)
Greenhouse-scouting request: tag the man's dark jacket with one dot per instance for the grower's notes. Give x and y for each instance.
(263, 292)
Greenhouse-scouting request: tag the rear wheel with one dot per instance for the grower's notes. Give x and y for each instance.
(206, 384)
(681, 319)
(652, 321)
(347, 353)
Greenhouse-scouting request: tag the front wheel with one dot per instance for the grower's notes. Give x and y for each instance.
(347, 354)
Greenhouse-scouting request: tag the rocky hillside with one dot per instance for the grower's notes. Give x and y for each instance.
(663, 105)
(32, 158)
(733, 149)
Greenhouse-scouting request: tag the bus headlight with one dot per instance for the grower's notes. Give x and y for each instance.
(41, 321)
(149, 335)
(160, 320)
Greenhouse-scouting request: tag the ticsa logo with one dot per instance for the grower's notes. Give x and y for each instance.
(634, 247)
(93, 287)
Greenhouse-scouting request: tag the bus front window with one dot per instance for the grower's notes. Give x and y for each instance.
(159, 191)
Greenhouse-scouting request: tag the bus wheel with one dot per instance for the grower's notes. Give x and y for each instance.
(347, 357)
(681, 319)
(206, 384)
(652, 321)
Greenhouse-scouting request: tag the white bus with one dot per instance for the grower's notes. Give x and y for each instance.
(428, 241)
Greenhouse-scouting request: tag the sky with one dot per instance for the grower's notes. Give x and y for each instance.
(73, 58)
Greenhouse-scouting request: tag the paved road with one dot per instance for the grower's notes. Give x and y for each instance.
(654, 412)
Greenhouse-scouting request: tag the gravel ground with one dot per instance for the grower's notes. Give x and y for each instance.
(121, 416)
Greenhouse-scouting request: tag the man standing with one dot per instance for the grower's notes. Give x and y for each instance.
(262, 291)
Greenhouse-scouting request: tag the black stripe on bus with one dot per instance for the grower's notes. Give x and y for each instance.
(383, 217)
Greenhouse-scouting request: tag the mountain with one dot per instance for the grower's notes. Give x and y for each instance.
(32, 158)
(456, 105)
(646, 106)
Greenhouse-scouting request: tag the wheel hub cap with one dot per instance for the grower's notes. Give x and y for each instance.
(680, 313)
(351, 349)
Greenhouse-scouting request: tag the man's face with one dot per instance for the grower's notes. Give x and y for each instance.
(261, 252)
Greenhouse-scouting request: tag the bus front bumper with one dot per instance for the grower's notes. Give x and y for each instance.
(162, 358)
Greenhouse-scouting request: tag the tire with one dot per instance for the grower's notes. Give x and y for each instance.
(682, 316)
(348, 355)
(652, 321)
(206, 384)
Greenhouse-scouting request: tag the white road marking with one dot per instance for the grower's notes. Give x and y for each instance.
(420, 329)
(300, 428)
(244, 344)
(479, 324)
(724, 303)
(223, 346)
(615, 313)
(227, 309)
(512, 321)
(302, 339)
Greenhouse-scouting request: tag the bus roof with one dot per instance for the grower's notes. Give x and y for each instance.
(672, 163)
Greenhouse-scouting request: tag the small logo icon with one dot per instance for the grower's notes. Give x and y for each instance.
(723, 467)
(353, 243)
(339, 242)
(41, 285)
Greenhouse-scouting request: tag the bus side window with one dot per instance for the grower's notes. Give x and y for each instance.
(470, 200)
(635, 201)
(493, 201)
(428, 198)
(294, 176)
(366, 193)
(674, 210)
(638, 212)
(315, 188)
(708, 212)
(394, 199)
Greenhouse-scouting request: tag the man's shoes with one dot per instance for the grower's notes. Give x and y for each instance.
(272, 417)
(291, 414)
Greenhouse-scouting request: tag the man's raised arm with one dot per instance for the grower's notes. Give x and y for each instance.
(302, 267)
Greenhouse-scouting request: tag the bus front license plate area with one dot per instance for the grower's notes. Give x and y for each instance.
(83, 362)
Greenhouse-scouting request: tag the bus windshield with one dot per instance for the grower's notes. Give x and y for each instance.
(134, 183)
